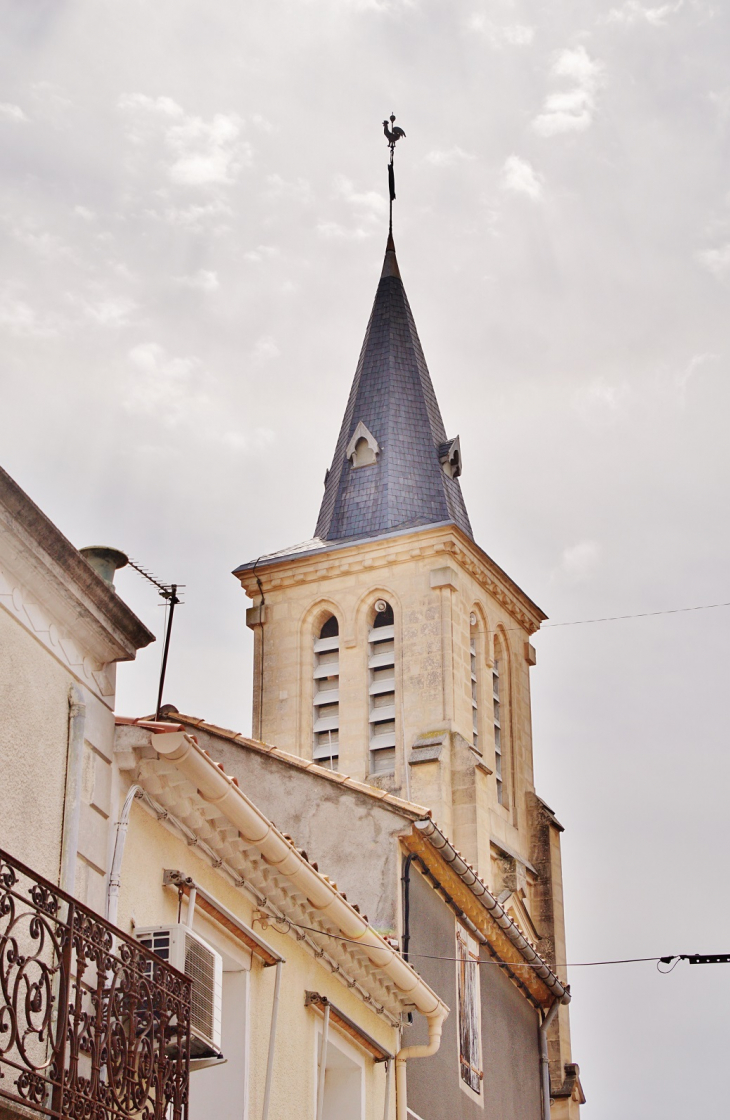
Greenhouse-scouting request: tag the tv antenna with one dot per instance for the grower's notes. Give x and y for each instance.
(168, 592)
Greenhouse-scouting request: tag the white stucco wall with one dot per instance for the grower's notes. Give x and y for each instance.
(150, 848)
(34, 714)
(33, 741)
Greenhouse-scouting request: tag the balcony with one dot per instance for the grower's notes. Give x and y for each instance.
(92, 1024)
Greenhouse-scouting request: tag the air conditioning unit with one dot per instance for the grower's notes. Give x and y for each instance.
(190, 954)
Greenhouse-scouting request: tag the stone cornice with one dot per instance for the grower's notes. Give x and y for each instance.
(438, 542)
(48, 583)
(65, 645)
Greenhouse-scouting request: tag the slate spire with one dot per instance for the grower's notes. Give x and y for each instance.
(393, 427)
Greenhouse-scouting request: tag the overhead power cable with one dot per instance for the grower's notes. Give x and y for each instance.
(693, 958)
(620, 617)
(641, 614)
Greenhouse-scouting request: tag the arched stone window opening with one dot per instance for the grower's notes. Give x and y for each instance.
(498, 688)
(326, 748)
(474, 660)
(381, 670)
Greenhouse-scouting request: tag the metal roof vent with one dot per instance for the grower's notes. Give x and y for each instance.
(104, 560)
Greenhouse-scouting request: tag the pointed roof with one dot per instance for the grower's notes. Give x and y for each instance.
(393, 403)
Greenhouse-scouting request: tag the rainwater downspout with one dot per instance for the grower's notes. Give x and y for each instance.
(435, 1025)
(272, 1042)
(72, 792)
(388, 1075)
(115, 875)
(323, 1061)
(406, 881)
(544, 1060)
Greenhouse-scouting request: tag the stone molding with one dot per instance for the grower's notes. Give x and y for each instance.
(372, 555)
(22, 605)
(57, 574)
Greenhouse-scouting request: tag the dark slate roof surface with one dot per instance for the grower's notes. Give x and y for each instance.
(393, 395)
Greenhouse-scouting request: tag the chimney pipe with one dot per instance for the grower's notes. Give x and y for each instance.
(105, 561)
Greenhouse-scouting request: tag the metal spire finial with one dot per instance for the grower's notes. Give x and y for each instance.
(392, 135)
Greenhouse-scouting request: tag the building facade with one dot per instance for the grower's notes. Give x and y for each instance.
(393, 649)
(165, 951)
(390, 856)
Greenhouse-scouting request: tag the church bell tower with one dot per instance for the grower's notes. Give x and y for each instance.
(391, 647)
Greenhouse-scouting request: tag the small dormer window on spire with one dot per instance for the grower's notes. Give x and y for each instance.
(450, 457)
(363, 448)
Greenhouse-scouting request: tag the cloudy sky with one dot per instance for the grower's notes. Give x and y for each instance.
(192, 221)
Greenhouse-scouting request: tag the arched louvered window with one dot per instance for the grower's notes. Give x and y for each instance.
(497, 689)
(326, 747)
(381, 669)
(474, 661)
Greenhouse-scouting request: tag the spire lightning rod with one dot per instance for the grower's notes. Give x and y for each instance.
(392, 135)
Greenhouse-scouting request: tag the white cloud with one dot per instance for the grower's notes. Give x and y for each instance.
(204, 280)
(633, 12)
(262, 123)
(513, 34)
(85, 213)
(278, 187)
(259, 440)
(208, 153)
(721, 100)
(265, 350)
(111, 312)
(716, 260)
(163, 386)
(260, 252)
(370, 203)
(197, 218)
(10, 112)
(695, 363)
(45, 245)
(334, 230)
(203, 153)
(162, 105)
(571, 110)
(579, 560)
(599, 398)
(19, 318)
(449, 158)
(520, 177)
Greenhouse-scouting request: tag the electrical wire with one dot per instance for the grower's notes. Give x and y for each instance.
(618, 617)
(675, 957)
(641, 614)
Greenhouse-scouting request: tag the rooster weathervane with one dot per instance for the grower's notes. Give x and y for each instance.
(392, 135)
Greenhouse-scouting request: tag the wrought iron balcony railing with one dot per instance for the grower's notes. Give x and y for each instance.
(92, 1024)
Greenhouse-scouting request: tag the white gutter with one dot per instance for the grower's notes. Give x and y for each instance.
(544, 1060)
(115, 875)
(216, 787)
(448, 853)
(72, 793)
(435, 1025)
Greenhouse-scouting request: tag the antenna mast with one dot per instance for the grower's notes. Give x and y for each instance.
(168, 591)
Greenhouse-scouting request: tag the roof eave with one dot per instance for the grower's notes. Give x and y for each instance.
(66, 568)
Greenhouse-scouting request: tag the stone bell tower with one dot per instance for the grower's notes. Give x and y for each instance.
(390, 646)
(393, 649)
